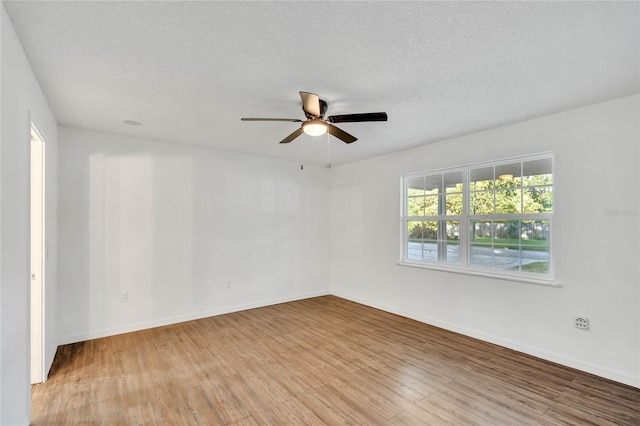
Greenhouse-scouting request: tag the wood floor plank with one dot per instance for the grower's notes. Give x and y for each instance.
(253, 401)
(224, 402)
(615, 393)
(513, 392)
(373, 401)
(568, 415)
(524, 380)
(501, 400)
(394, 388)
(404, 418)
(324, 410)
(483, 408)
(291, 379)
(612, 411)
(425, 415)
(295, 412)
(335, 400)
(458, 414)
(319, 361)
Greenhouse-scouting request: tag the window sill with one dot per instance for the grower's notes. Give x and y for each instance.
(475, 273)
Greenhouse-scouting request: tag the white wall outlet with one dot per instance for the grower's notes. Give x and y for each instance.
(582, 323)
(228, 284)
(124, 296)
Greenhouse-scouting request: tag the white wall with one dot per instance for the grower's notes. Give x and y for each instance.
(170, 224)
(596, 169)
(22, 102)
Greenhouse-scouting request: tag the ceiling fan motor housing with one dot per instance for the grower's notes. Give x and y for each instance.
(323, 110)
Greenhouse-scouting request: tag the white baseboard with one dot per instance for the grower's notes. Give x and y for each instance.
(517, 346)
(606, 373)
(97, 334)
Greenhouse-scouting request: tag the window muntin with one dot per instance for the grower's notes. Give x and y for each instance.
(493, 216)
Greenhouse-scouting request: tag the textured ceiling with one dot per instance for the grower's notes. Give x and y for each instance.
(190, 70)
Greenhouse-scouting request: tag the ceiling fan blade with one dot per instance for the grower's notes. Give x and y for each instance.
(292, 136)
(310, 103)
(341, 134)
(293, 120)
(355, 118)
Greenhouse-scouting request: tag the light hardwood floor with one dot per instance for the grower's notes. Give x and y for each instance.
(317, 361)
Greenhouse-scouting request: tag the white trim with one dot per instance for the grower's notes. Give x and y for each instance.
(37, 287)
(97, 334)
(478, 273)
(497, 162)
(606, 373)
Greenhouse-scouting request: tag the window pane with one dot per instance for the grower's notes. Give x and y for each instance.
(414, 240)
(431, 205)
(415, 186)
(508, 201)
(454, 204)
(433, 184)
(481, 179)
(414, 230)
(506, 232)
(453, 182)
(481, 202)
(536, 261)
(453, 230)
(430, 231)
(506, 257)
(419, 230)
(451, 247)
(429, 249)
(481, 256)
(508, 175)
(486, 256)
(535, 233)
(415, 206)
(538, 172)
(537, 199)
(481, 231)
(414, 250)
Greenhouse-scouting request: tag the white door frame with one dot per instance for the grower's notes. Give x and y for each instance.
(37, 281)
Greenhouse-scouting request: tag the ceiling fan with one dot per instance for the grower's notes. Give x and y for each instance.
(316, 124)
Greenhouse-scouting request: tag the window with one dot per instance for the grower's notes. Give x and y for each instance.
(490, 219)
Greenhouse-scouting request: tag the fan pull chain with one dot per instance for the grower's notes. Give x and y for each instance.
(328, 165)
(302, 152)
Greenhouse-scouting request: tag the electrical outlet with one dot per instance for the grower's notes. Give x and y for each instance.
(228, 284)
(124, 296)
(582, 323)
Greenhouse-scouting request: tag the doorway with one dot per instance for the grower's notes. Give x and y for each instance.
(38, 373)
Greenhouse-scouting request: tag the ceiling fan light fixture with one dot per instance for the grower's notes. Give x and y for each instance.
(315, 127)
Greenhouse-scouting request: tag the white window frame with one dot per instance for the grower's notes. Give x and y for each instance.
(464, 266)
